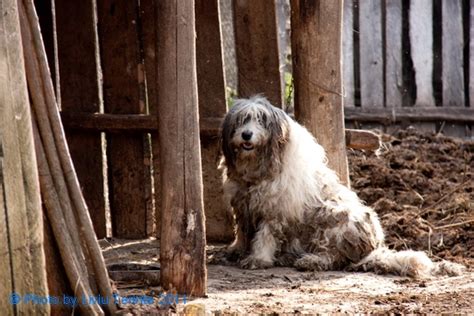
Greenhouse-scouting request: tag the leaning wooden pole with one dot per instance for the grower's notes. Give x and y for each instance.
(183, 266)
(317, 68)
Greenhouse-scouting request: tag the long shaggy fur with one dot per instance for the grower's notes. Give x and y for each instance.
(290, 208)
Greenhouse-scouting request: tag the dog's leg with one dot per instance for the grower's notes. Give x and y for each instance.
(264, 247)
(237, 248)
(323, 261)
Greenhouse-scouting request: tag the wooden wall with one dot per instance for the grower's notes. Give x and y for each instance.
(409, 62)
(404, 62)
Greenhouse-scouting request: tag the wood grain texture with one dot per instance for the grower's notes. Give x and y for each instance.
(421, 41)
(453, 61)
(256, 40)
(148, 37)
(317, 69)
(371, 54)
(121, 64)
(20, 187)
(348, 53)
(212, 103)
(452, 52)
(182, 252)
(471, 55)
(5, 260)
(393, 54)
(80, 92)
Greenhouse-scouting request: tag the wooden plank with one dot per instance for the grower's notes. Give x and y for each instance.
(47, 17)
(393, 54)
(371, 55)
(121, 64)
(210, 73)
(79, 65)
(452, 61)
(453, 77)
(5, 260)
(421, 42)
(348, 53)
(256, 40)
(182, 253)
(212, 103)
(471, 55)
(21, 197)
(58, 283)
(316, 44)
(148, 36)
(412, 114)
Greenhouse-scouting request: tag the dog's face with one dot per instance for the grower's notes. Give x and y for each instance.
(253, 129)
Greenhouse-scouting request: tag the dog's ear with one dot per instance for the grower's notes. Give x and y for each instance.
(227, 130)
(279, 127)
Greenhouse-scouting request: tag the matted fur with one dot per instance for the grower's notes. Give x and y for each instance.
(290, 208)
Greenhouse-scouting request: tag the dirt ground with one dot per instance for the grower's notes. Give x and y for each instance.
(421, 185)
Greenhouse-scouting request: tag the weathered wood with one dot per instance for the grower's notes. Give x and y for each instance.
(45, 105)
(47, 17)
(453, 61)
(348, 53)
(80, 92)
(110, 122)
(210, 73)
(5, 257)
(148, 37)
(212, 103)
(421, 42)
(393, 54)
(359, 139)
(471, 55)
(453, 76)
(182, 253)
(371, 55)
(20, 204)
(412, 114)
(316, 45)
(256, 40)
(58, 283)
(121, 64)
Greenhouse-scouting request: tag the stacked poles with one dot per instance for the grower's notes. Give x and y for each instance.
(66, 209)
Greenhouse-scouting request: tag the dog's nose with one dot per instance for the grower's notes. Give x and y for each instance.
(246, 135)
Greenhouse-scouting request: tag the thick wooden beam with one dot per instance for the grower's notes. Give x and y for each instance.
(256, 41)
(183, 238)
(317, 69)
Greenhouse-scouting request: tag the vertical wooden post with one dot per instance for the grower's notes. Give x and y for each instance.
(123, 71)
(22, 261)
(316, 48)
(183, 240)
(79, 67)
(212, 103)
(256, 40)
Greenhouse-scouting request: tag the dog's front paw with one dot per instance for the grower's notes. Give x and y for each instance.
(253, 263)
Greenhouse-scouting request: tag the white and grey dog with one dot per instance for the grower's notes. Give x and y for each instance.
(290, 208)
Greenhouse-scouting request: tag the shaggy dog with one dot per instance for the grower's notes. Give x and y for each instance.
(290, 208)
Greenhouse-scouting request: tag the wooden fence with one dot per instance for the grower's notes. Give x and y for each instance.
(402, 64)
(410, 61)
